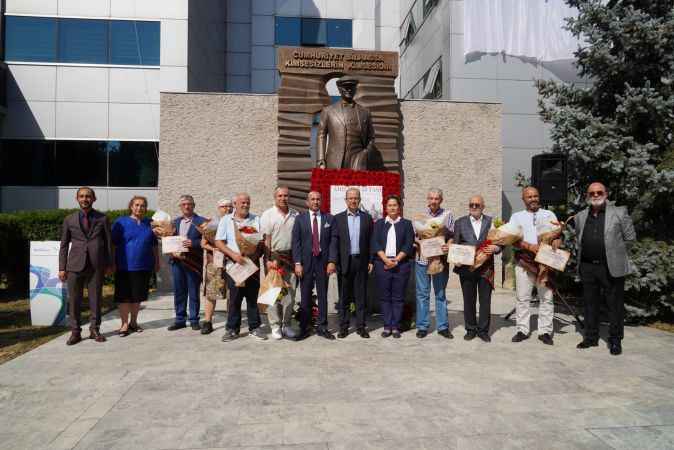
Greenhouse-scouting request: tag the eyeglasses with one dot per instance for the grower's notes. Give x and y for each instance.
(474, 205)
(596, 193)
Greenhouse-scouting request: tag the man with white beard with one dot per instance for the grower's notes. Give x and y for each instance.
(603, 233)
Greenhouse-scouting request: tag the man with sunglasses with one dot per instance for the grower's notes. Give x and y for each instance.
(603, 233)
(531, 219)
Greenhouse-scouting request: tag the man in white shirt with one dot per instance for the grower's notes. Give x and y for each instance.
(277, 226)
(225, 241)
(530, 219)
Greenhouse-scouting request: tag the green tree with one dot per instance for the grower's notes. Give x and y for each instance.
(619, 129)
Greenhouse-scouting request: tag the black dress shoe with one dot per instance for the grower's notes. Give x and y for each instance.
(587, 343)
(396, 334)
(176, 326)
(302, 335)
(470, 335)
(326, 334)
(343, 333)
(615, 347)
(422, 334)
(196, 326)
(546, 338)
(362, 332)
(386, 333)
(207, 328)
(74, 338)
(519, 337)
(446, 334)
(485, 337)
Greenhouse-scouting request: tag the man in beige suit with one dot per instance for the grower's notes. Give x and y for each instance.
(345, 131)
(85, 262)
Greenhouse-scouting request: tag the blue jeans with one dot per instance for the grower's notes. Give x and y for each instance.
(423, 283)
(185, 284)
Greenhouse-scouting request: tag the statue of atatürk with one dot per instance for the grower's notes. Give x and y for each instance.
(345, 132)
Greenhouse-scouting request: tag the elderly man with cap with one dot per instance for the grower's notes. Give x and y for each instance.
(214, 273)
(345, 131)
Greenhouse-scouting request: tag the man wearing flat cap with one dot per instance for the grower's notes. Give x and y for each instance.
(345, 132)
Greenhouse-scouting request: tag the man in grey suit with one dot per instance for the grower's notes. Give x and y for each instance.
(345, 132)
(85, 257)
(472, 230)
(603, 234)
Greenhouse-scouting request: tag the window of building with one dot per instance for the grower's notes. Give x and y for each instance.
(30, 39)
(428, 6)
(50, 163)
(83, 41)
(414, 20)
(310, 32)
(430, 84)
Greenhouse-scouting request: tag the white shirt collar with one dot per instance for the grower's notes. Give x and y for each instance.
(473, 219)
(348, 212)
(391, 221)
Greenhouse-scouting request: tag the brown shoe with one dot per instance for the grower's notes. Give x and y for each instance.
(74, 338)
(96, 335)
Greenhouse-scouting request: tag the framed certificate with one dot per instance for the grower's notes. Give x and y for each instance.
(172, 244)
(555, 259)
(432, 247)
(241, 272)
(461, 254)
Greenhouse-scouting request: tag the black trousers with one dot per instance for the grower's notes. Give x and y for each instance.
(236, 296)
(318, 276)
(596, 281)
(474, 286)
(353, 287)
(92, 278)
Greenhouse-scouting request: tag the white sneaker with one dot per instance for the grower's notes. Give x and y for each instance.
(276, 333)
(289, 332)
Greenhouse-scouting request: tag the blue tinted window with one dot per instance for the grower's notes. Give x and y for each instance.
(30, 39)
(339, 33)
(314, 32)
(134, 42)
(83, 41)
(288, 31)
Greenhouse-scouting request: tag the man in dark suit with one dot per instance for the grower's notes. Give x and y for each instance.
(472, 230)
(312, 241)
(186, 267)
(86, 263)
(604, 233)
(352, 245)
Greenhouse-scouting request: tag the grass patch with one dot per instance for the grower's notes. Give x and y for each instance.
(18, 336)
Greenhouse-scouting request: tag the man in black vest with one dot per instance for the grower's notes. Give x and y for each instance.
(472, 230)
(352, 245)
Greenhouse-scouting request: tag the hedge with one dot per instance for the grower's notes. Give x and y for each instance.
(18, 229)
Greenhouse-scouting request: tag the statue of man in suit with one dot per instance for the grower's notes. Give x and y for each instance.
(345, 132)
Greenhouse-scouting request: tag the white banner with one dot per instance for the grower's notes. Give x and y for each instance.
(47, 293)
(371, 198)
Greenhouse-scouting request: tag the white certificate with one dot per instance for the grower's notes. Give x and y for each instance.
(172, 244)
(270, 296)
(461, 254)
(555, 259)
(218, 259)
(432, 247)
(241, 272)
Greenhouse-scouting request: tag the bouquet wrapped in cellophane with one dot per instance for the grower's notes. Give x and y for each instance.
(208, 230)
(546, 233)
(502, 234)
(162, 225)
(430, 227)
(273, 288)
(248, 239)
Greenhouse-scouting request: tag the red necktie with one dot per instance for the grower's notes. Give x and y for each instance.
(85, 223)
(315, 247)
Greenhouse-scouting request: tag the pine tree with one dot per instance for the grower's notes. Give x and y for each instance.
(619, 130)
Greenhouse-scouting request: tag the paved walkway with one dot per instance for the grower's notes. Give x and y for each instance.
(181, 390)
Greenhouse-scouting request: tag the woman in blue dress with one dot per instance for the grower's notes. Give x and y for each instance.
(136, 257)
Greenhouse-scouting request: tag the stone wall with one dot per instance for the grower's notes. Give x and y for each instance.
(214, 145)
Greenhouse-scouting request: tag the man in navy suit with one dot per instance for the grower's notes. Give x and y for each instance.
(186, 267)
(352, 245)
(312, 242)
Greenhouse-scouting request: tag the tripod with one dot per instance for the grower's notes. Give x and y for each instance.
(566, 304)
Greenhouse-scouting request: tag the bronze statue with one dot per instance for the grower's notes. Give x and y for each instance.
(345, 132)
